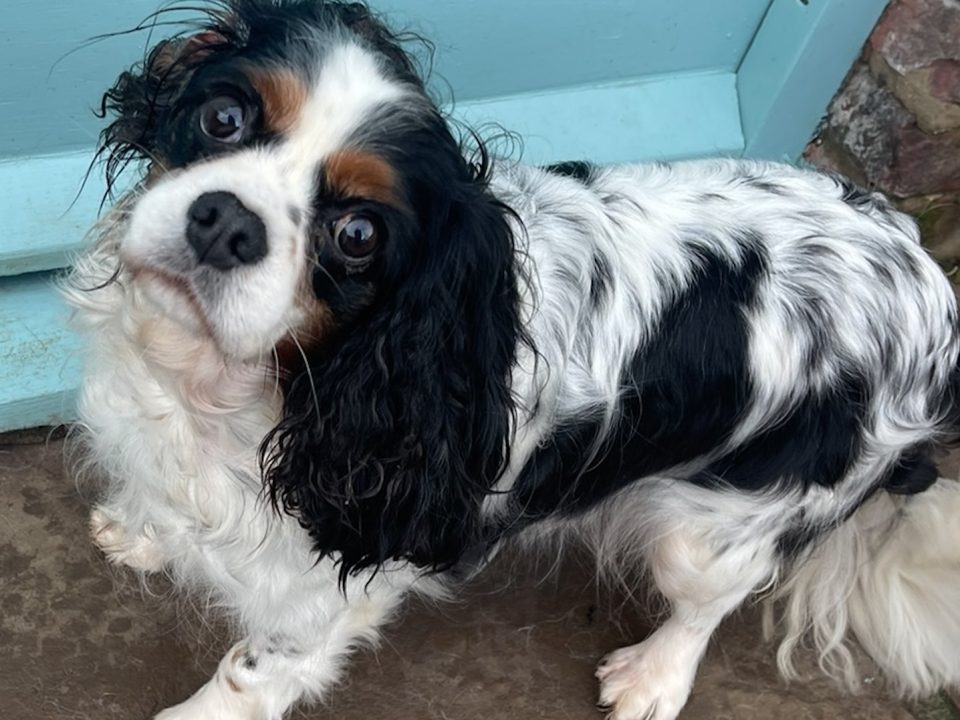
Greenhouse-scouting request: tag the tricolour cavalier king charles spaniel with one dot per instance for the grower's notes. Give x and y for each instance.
(335, 356)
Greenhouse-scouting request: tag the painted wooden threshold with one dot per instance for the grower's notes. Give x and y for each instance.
(794, 65)
(667, 117)
(40, 359)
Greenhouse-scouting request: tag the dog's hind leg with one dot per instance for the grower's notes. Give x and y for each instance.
(704, 574)
(891, 576)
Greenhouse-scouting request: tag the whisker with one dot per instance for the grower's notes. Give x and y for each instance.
(276, 370)
(317, 264)
(306, 366)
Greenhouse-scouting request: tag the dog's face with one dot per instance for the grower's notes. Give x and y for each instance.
(305, 200)
(290, 152)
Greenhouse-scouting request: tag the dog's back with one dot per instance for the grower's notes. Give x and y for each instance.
(759, 364)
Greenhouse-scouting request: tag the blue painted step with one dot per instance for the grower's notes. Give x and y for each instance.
(40, 360)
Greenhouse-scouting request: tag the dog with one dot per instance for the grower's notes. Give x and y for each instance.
(338, 355)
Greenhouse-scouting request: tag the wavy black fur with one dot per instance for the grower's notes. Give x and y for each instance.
(390, 443)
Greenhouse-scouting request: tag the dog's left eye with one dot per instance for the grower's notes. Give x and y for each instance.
(224, 118)
(356, 235)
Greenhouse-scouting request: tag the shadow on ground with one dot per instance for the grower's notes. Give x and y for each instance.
(82, 640)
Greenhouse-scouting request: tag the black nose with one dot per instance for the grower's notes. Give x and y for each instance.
(224, 233)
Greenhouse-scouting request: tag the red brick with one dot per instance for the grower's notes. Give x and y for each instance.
(923, 163)
(915, 92)
(945, 80)
(871, 124)
(914, 34)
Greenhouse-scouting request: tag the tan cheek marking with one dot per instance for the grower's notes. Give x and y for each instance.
(317, 319)
(354, 173)
(317, 322)
(313, 329)
(283, 95)
(233, 684)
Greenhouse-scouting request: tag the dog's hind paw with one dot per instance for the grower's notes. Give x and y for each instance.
(641, 682)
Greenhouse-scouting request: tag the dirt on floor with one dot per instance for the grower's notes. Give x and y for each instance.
(83, 640)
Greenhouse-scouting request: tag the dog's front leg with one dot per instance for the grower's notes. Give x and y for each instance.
(140, 551)
(263, 676)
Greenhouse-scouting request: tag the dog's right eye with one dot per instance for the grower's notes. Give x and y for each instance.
(224, 118)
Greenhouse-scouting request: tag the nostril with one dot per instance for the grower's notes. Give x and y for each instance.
(245, 248)
(206, 216)
(205, 210)
(224, 233)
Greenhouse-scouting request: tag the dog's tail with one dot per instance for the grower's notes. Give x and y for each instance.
(891, 575)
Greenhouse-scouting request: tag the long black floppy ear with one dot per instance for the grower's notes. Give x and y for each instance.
(387, 449)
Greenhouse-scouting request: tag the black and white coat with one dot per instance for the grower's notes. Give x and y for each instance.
(373, 363)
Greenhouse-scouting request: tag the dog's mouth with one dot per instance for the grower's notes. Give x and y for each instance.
(174, 296)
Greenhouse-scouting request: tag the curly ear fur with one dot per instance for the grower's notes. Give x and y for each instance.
(140, 97)
(390, 443)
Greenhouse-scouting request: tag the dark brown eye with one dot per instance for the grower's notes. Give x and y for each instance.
(224, 119)
(357, 236)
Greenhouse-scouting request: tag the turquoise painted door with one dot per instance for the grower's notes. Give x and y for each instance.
(605, 80)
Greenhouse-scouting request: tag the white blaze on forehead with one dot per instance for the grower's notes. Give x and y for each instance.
(349, 86)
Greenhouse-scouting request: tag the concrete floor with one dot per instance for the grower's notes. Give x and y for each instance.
(81, 640)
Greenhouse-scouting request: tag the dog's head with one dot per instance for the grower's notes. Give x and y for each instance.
(303, 195)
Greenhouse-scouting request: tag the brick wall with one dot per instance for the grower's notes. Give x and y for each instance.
(895, 124)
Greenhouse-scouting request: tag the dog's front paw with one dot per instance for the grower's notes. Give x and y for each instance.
(209, 705)
(642, 682)
(140, 552)
(231, 694)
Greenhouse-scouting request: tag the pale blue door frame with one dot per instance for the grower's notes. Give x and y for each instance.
(607, 81)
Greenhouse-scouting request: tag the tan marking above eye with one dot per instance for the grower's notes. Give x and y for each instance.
(359, 174)
(282, 95)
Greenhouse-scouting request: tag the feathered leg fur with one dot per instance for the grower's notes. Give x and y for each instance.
(891, 577)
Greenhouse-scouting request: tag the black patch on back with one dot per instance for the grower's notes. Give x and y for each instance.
(688, 387)
(815, 445)
(576, 169)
